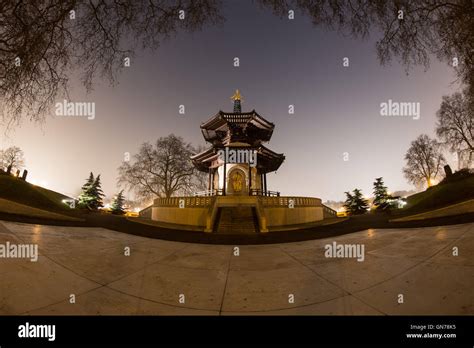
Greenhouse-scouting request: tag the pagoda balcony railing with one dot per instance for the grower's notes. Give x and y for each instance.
(185, 202)
(208, 193)
(286, 201)
(257, 192)
(220, 192)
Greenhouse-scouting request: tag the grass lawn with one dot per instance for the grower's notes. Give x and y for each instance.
(22, 192)
(440, 196)
(465, 207)
(14, 208)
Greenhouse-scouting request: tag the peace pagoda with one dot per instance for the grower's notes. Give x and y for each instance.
(244, 133)
(237, 199)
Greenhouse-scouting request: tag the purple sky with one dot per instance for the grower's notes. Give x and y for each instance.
(283, 62)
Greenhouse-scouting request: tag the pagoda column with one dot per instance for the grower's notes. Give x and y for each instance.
(213, 180)
(250, 180)
(261, 184)
(225, 177)
(265, 181)
(209, 185)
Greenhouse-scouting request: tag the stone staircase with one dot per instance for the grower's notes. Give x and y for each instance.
(236, 220)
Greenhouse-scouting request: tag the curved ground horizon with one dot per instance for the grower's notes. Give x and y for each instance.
(89, 262)
(351, 225)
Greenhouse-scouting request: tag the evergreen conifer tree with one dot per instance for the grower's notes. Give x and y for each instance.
(348, 202)
(355, 203)
(91, 195)
(86, 196)
(359, 203)
(381, 196)
(97, 194)
(117, 204)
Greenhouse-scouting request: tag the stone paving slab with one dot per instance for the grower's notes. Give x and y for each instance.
(202, 288)
(351, 275)
(465, 249)
(428, 289)
(90, 263)
(106, 301)
(346, 305)
(262, 258)
(38, 284)
(271, 289)
(201, 256)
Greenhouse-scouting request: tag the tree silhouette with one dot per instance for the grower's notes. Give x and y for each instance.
(424, 161)
(411, 30)
(85, 197)
(117, 204)
(12, 156)
(355, 203)
(161, 170)
(381, 195)
(97, 194)
(91, 194)
(42, 41)
(456, 125)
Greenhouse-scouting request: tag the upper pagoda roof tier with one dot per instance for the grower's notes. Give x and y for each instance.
(230, 127)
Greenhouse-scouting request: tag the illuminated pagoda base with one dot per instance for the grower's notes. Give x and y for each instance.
(237, 199)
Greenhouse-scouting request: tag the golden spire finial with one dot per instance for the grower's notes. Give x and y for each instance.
(236, 95)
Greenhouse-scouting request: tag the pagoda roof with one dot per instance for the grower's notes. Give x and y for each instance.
(267, 160)
(230, 127)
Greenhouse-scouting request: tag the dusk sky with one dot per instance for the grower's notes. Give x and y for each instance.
(282, 62)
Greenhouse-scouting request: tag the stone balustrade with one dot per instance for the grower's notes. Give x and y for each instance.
(189, 202)
(285, 201)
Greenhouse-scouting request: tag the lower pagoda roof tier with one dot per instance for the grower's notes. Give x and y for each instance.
(247, 127)
(267, 160)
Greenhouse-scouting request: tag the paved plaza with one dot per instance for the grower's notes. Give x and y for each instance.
(172, 278)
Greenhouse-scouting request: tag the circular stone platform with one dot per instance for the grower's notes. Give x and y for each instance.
(90, 263)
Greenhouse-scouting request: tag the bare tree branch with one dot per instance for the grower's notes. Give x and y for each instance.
(162, 170)
(423, 161)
